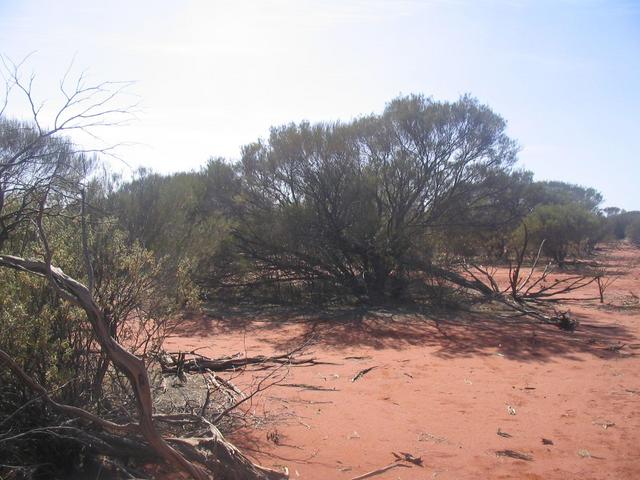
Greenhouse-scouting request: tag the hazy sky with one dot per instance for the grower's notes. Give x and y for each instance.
(214, 75)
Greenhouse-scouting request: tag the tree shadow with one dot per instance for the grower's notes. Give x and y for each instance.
(446, 334)
(221, 319)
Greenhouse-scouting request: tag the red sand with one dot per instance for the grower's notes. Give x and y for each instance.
(442, 388)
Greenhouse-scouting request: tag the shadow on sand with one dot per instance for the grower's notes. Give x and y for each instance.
(445, 334)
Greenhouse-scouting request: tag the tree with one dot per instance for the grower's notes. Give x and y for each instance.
(618, 221)
(43, 181)
(564, 228)
(561, 193)
(612, 211)
(37, 157)
(633, 232)
(351, 202)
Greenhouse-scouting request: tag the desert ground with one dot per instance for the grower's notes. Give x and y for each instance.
(472, 394)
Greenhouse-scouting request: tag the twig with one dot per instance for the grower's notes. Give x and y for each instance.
(306, 386)
(362, 373)
(381, 470)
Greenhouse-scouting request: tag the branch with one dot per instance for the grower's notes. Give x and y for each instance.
(129, 364)
(67, 409)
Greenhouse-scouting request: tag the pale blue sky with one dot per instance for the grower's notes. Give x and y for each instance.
(215, 75)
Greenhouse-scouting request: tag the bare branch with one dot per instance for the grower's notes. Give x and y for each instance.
(67, 409)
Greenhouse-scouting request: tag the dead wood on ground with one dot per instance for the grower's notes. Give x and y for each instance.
(178, 363)
(362, 373)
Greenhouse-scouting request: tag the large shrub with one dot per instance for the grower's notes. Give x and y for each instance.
(633, 232)
(562, 229)
(356, 203)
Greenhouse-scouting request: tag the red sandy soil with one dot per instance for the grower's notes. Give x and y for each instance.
(443, 387)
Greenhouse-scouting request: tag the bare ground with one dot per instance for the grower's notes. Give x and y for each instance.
(473, 396)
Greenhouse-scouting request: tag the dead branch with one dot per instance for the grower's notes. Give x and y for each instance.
(306, 386)
(525, 295)
(514, 454)
(229, 385)
(262, 385)
(604, 283)
(378, 471)
(199, 364)
(67, 409)
(226, 462)
(362, 373)
(221, 457)
(408, 457)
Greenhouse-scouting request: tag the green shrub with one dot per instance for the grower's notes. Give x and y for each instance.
(568, 229)
(633, 232)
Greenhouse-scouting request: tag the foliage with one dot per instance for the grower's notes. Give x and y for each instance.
(43, 216)
(619, 221)
(360, 209)
(352, 209)
(565, 229)
(633, 232)
(562, 193)
(351, 203)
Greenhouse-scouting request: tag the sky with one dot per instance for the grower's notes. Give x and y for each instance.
(210, 76)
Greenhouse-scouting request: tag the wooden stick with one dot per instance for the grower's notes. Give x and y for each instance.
(380, 470)
(362, 373)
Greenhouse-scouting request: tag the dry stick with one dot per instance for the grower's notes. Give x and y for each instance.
(362, 373)
(493, 285)
(540, 279)
(201, 363)
(306, 386)
(514, 274)
(407, 457)
(207, 399)
(533, 267)
(228, 384)
(210, 378)
(225, 453)
(563, 285)
(381, 470)
(258, 389)
(603, 284)
(514, 454)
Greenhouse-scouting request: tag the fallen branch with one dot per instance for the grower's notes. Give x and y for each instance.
(201, 364)
(378, 471)
(514, 454)
(408, 457)
(307, 387)
(559, 319)
(362, 373)
(262, 385)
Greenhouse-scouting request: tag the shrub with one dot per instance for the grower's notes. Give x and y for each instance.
(633, 232)
(565, 229)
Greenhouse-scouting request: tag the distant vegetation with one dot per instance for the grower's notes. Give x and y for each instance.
(360, 209)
